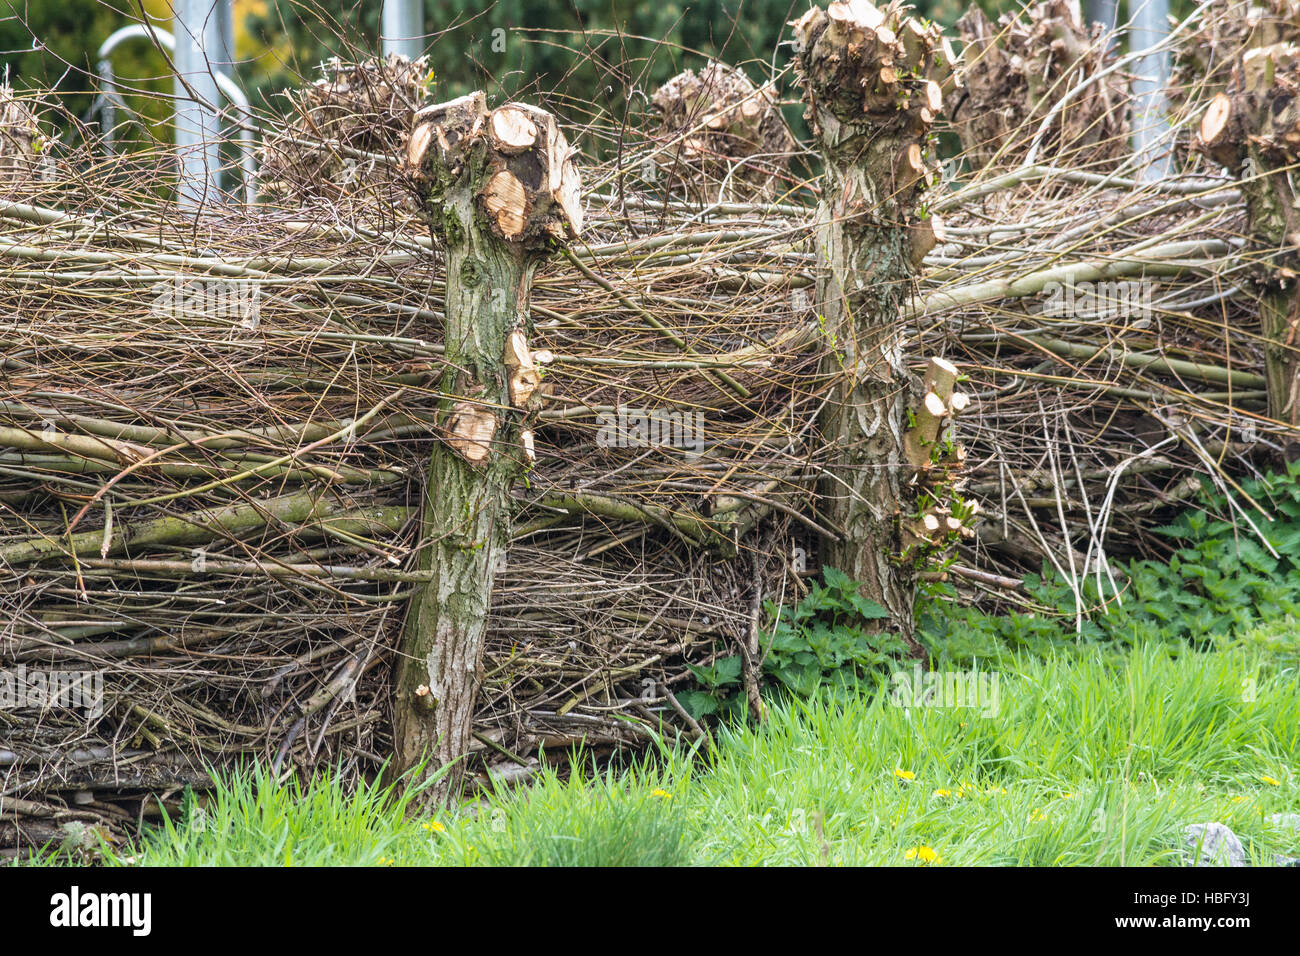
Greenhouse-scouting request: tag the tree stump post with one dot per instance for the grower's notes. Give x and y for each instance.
(871, 104)
(1253, 130)
(499, 190)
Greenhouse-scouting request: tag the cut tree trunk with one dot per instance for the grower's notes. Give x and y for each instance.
(498, 189)
(1220, 36)
(21, 140)
(351, 110)
(721, 138)
(1015, 72)
(1253, 129)
(870, 102)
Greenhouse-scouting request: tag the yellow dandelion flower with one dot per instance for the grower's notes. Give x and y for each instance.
(1240, 799)
(943, 793)
(924, 853)
(1269, 780)
(904, 775)
(433, 826)
(662, 794)
(1067, 796)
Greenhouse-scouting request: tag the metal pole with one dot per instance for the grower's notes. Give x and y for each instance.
(1101, 11)
(402, 29)
(112, 99)
(224, 61)
(1151, 139)
(198, 131)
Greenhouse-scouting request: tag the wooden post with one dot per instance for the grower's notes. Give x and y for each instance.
(20, 139)
(722, 138)
(871, 102)
(498, 189)
(1253, 129)
(1016, 71)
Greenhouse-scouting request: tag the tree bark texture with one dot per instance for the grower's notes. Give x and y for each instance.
(871, 104)
(1253, 129)
(498, 190)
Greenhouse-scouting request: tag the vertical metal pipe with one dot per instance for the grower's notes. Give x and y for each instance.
(1151, 139)
(197, 32)
(224, 61)
(1101, 11)
(108, 105)
(402, 28)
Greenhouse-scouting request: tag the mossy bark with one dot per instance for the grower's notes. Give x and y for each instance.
(466, 509)
(1253, 129)
(498, 189)
(865, 76)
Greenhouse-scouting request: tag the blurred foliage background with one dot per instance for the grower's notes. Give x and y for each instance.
(506, 47)
(610, 53)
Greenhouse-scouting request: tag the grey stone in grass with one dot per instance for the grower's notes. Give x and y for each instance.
(1288, 820)
(1213, 845)
(1280, 860)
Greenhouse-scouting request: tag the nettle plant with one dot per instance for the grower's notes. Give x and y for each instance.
(831, 638)
(1232, 568)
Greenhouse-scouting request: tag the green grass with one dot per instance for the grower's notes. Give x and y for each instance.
(1096, 756)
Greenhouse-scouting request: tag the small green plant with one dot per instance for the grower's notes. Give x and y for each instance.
(1221, 579)
(828, 638)
(717, 689)
(831, 638)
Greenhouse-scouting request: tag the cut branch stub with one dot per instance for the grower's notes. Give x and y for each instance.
(524, 376)
(508, 203)
(933, 414)
(1216, 138)
(936, 460)
(1258, 114)
(512, 130)
(924, 235)
(471, 428)
(531, 187)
